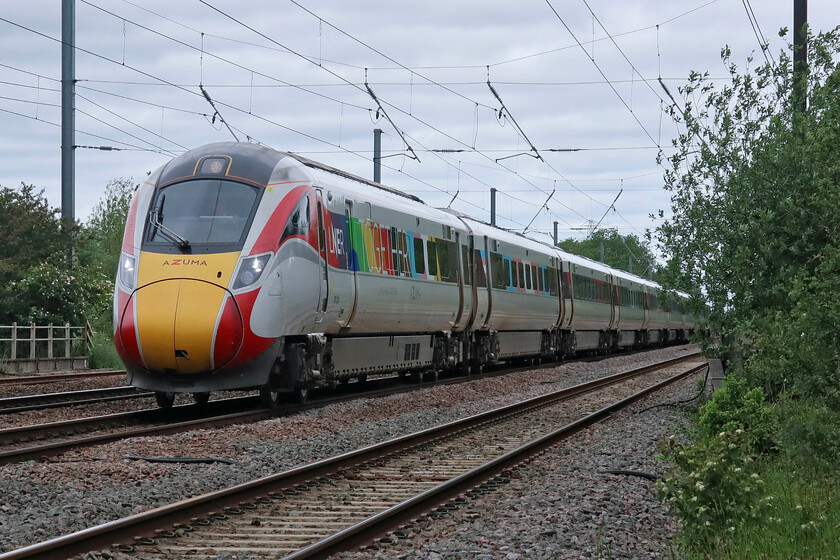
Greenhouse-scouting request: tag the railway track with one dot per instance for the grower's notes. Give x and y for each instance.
(355, 498)
(45, 401)
(39, 441)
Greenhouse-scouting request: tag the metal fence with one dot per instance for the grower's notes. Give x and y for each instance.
(22, 342)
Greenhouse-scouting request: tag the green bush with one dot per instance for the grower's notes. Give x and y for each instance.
(713, 488)
(808, 428)
(735, 406)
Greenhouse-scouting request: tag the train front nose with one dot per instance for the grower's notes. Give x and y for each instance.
(185, 326)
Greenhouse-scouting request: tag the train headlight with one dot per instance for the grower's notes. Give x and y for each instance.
(250, 270)
(127, 275)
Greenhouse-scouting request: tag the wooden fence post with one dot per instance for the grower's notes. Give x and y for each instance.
(14, 340)
(50, 341)
(32, 339)
(66, 340)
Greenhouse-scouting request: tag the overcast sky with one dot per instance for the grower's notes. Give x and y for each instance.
(291, 76)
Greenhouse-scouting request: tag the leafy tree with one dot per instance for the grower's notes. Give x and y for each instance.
(754, 190)
(618, 249)
(35, 283)
(32, 234)
(30, 230)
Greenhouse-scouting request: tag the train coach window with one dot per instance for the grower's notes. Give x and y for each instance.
(551, 275)
(433, 267)
(497, 271)
(520, 269)
(468, 269)
(508, 282)
(419, 257)
(527, 271)
(534, 277)
(480, 274)
(298, 223)
(444, 261)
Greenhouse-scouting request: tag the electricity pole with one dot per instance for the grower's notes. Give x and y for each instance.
(492, 206)
(377, 155)
(68, 118)
(800, 56)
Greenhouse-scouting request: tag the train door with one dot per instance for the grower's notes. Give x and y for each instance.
(556, 269)
(567, 282)
(616, 301)
(483, 291)
(464, 283)
(323, 274)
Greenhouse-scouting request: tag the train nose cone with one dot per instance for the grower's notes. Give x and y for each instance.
(185, 326)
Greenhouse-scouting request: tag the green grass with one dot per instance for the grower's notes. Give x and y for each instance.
(803, 521)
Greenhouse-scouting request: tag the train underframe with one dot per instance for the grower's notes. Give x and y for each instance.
(316, 360)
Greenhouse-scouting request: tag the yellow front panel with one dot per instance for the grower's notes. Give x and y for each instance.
(195, 319)
(216, 268)
(156, 308)
(178, 301)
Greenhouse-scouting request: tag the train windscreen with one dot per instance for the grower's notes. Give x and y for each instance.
(204, 212)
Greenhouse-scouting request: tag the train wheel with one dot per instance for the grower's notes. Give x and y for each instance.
(201, 398)
(302, 394)
(165, 399)
(433, 375)
(269, 396)
(363, 378)
(477, 368)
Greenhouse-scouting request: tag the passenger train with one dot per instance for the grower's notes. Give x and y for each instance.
(244, 267)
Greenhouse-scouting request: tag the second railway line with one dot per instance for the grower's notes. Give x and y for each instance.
(268, 446)
(373, 472)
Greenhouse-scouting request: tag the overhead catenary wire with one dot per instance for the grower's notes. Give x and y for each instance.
(261, 34)
(285, 49)
(519, 173)
(80, 131)
(149, 75)
(220, 58)
(380, 53)
(600, 71)
(623, 54)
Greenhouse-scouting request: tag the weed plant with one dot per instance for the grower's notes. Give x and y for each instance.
(102, 352)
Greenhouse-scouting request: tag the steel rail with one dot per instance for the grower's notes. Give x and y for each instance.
(379, 524)
(126, 529)
(181, 418)
(37, 379)
(24, 403)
